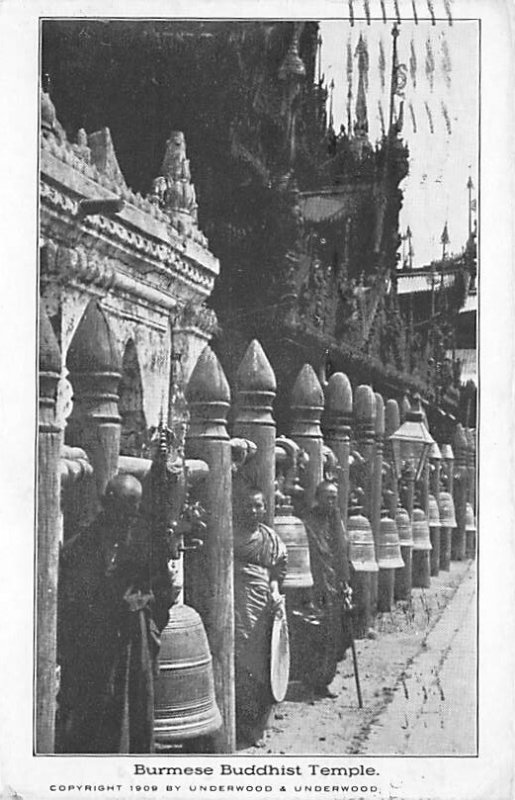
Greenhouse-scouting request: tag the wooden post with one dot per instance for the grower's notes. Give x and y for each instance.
(471, 491)
(403, 575)
(209, 397)
(307, 403)
(49, 451)
(392, 422)
(460, 493)
(337, 429)
(256, 386)
(364, 425)
(95, 370)
(386, 576)
(447, 477)
(377, 466)
(434, 487)
(471, 463)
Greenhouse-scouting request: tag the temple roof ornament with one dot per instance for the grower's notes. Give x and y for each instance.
(173, 190)
(50, 125)
(293, 68)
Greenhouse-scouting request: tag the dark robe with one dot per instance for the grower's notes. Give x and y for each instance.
(328, 553)
(109, 620)
(259, 558)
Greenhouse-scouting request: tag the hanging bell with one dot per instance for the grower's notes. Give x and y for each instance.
(421, 539)
(293, 533)
(404, 528)
(435, 533)
(470, 532)
(470, 522)
(433, 516)
(361, 550)
(388, 545)
(184, 693)
(447, 513)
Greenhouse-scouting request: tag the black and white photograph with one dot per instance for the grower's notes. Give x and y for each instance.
(259, 551)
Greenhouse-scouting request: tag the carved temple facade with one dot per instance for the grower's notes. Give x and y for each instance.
(302, 256)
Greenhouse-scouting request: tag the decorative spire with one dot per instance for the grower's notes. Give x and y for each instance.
(93, 348)
(255, 373)
(444, 240)
(173, 190)
(293, 67)
(361, 124)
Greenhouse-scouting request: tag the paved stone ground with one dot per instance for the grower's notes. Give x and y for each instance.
(433, 710)
(418, 684)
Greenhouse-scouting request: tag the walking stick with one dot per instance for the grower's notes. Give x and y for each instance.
(348, 608)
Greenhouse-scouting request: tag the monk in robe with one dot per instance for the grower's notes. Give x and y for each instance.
(113, 604)
(330, 567)
(259, 570)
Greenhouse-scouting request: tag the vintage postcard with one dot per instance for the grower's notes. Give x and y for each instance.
(257, 389)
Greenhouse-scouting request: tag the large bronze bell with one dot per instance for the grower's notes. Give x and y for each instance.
(184, 701)
(421, 539)
(470, 522)
(433, 512)
(361, 551)
(404, 528)
(388, 546)
(470, 531)
(447, 513)
(434, 533)
(293, 533)
(365, 576)
(388, 549)
(421, 550)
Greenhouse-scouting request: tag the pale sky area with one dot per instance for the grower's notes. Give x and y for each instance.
(440, 162)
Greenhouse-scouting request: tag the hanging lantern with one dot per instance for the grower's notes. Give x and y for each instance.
(185, 705)
(411, 442)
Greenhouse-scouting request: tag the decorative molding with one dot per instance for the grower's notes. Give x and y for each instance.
(166, 259)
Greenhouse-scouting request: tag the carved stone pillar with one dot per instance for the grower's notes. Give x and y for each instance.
(95, 370)
(50, 437)
(256, 387)
(209, 397)
(307, 403)
(337, 429)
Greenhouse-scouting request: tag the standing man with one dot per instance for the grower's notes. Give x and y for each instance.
(259, 570)
(329, 557)
(113, 603)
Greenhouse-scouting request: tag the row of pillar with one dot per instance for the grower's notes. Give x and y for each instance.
(356, 430)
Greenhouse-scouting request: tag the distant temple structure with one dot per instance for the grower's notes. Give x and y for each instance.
(302, 218)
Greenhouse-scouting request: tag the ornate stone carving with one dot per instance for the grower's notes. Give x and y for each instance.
(103, 155)
(173, 190)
